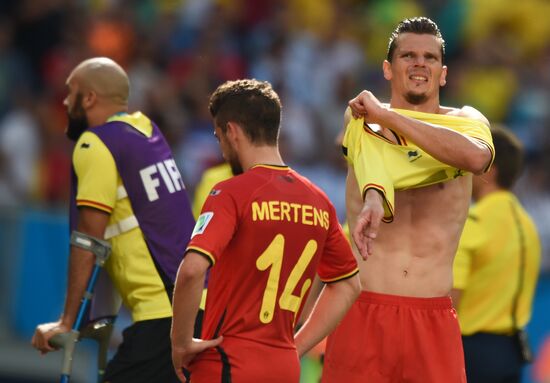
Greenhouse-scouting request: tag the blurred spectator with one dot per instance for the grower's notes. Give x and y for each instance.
(316, 53)
(19, 153)
(14, 72)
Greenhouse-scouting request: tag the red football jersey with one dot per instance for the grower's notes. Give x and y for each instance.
(266, 233)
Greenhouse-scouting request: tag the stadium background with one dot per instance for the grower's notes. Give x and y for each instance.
(316, 53)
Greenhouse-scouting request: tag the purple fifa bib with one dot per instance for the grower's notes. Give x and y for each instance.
(153, 185)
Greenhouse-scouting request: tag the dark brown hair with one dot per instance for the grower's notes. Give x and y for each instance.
(419, 25)
(252, 104)
(509, 156)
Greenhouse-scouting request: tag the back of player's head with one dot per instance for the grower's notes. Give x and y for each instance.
(509, 156)
(105, 77)
(419, 25)
(252, 104)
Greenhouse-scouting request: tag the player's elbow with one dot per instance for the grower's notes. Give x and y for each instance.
(478, 162)
(353, 287)
(192, 268)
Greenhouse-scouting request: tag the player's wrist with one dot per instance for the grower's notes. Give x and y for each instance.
(385, 115)
(374, 195)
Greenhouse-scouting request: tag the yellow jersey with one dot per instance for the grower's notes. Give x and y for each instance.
(386, 166)
(499, 250)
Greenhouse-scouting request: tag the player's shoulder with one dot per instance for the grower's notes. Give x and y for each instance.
(237, 186)
(310, 185)
(88, 142)
(466, 111)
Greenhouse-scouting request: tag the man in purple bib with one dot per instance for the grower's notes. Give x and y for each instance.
(126, 189)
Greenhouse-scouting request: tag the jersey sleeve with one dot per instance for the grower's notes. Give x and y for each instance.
(365, 155)
(96, 173)
(337, 260)
(215, 225)
(470, 241)
(467, 126)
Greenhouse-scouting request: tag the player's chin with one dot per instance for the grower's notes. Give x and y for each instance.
(416, 97)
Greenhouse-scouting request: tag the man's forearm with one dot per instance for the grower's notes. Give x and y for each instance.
(444, 144)
(185, 305)
(81, 262)
(333, 303)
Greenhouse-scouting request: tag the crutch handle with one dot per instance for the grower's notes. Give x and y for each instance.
(67, 342)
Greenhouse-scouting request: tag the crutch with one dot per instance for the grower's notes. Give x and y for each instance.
(101, 250)
(100, 330)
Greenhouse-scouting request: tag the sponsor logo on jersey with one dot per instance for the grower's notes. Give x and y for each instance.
(202, 222)
(214, 192)
(413, 155)
(84, 145)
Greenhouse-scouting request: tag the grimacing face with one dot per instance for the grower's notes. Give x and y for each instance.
(416, 71)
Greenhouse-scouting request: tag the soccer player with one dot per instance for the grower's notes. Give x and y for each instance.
(264, 233)
(127, 189)
(496, 269)
(403, 326)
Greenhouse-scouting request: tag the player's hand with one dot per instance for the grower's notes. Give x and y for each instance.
(368, 222)
(44, 332)
(367, 106)
(183, 356)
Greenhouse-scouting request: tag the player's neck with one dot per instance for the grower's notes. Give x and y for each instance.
(99, 116)
(488, 188)
(261, 155)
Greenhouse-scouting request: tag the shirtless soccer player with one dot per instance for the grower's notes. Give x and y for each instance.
(403, 328)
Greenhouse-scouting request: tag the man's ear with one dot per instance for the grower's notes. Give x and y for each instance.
(443, 77)
(234, 131)
(386, 68)
(493, 171)
(89, 99)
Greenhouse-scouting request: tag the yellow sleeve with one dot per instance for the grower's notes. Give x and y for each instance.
(96, 173)
(366, 157)
(211, 177)
(467, 126)
(469, 244)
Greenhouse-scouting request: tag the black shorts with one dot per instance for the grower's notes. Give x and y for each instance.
(145, 354)
(492, 358)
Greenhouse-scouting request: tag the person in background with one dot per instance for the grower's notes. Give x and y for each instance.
(496, 269)
(127, 189)
(209, 178)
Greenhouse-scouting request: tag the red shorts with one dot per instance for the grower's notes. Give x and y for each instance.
(388, 338)
(242, 361)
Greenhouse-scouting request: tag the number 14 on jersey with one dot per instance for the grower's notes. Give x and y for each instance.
(272, 259)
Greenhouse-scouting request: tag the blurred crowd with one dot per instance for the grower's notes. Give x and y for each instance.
(317, 54)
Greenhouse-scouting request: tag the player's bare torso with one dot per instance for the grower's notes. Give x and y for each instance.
(413, 255)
